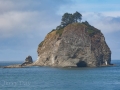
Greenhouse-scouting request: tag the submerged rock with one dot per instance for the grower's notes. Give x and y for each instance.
(76, 45)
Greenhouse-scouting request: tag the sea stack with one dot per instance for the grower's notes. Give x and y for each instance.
(75, 45)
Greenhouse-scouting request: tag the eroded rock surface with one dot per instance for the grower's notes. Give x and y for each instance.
(76, 45)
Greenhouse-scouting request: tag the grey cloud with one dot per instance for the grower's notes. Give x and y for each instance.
(107, 24)
(27, 16)
(12, 23)
(31, 5)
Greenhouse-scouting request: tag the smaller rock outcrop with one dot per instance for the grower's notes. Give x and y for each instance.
(28, 60)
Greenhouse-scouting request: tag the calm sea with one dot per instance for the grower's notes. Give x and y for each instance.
(46, 78)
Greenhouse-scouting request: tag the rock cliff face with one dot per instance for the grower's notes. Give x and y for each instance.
(77, 45)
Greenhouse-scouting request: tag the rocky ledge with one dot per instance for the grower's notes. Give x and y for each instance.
(76, 45)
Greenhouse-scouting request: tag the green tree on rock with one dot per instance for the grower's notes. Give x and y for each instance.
(77, 17)
(67, 19)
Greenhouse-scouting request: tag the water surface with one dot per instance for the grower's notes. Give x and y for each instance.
(46, 78)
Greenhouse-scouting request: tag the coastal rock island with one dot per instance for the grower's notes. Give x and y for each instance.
(77, 44)
(72, 44)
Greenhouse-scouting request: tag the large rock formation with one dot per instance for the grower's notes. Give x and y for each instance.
(78, 44)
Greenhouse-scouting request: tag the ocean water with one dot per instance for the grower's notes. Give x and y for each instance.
(46, 78)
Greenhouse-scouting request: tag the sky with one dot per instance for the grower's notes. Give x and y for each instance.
(25, 23)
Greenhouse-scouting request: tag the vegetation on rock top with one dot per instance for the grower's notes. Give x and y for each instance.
(60, 31)
(68, 18)
(90, 29)
(74, 18)
(40, 45)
